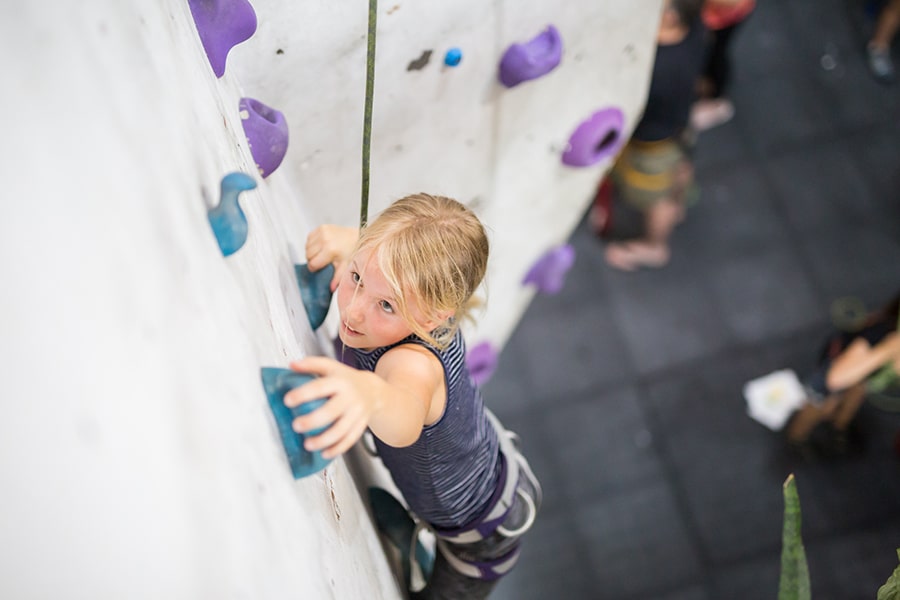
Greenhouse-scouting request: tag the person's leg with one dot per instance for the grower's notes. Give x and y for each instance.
(653, 249)
(663, 216)
(660, 218)
(879, 47)
(447, 583)
(718, 65)
(713, 108)
(810, 415)
(851, 401)
(887, 25)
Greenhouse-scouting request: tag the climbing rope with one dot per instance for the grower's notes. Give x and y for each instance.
(367, 113)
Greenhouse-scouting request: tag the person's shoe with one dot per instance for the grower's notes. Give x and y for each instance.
(628, 256)
(880, 64)
(709, 113)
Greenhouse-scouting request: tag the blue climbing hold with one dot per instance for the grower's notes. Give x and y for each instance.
(315, 291)
(228, 221)
(277, 382)
(453, 56)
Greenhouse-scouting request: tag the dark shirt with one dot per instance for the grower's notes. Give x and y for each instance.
(676, 69)
(450, 473)
(873, 332)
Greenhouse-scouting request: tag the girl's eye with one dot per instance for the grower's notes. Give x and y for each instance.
(386, 306)
(354, 276)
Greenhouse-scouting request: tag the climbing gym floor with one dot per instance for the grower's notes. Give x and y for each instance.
(627, 387)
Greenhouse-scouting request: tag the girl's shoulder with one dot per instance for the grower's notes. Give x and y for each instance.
(408, 347)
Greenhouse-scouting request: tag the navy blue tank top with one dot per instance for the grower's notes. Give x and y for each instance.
(449, 474)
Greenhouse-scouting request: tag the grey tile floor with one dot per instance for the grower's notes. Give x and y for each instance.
(626, 387)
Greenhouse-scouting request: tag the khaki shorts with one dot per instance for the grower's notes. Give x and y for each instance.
(646, 172)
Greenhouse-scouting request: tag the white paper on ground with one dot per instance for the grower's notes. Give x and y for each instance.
(772, 398)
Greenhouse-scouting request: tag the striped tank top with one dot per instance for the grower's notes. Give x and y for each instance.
(449, 474)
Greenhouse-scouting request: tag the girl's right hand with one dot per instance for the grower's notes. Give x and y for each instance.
(345, 415)
(330, 244)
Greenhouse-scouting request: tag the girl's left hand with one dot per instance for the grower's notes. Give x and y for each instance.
(347, 411)
(330, 244)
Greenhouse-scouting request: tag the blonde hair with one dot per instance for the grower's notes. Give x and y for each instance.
(434, 249)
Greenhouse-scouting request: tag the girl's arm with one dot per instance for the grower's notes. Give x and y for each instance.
(394, 402)
(859, 360)
(330, 244)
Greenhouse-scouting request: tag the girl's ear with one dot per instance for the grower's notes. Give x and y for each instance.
(439, 319)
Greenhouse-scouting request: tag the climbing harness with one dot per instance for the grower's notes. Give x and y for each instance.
(501, 503)
(513, 466)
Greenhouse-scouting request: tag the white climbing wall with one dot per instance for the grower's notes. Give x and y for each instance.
(454, 131)
(137, 452)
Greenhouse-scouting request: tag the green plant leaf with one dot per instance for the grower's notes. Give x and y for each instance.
(891, 589)
(794, 583)
(882, 379)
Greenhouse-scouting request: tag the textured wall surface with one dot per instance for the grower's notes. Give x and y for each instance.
(138, 455)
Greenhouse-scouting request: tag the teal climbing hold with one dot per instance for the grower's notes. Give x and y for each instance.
(393, 520)
(315, 291)
(229, 224)
(277, 382)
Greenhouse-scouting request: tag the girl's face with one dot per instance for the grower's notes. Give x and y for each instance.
(368, 308)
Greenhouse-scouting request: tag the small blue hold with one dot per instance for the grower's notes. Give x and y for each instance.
(228, 221)
(453, 56)
(315, 291)
(277, 382)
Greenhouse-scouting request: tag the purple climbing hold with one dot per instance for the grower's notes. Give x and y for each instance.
(222, 25)
(532, 59)
(595, 138)
(482, 361)
(548, 274)
(267, 133)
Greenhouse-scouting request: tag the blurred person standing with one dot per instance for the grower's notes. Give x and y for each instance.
(654, 172)
(722, 18)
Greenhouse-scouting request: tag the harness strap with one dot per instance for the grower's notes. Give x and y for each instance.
(514, 464)
(487, 524)
(489, 570)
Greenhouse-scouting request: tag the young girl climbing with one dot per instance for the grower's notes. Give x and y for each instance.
(404, 283)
